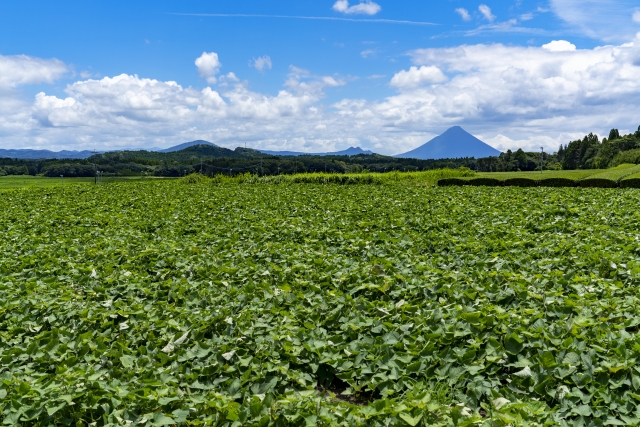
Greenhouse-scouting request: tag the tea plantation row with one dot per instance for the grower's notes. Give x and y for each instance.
(165, 303)
(625, 175)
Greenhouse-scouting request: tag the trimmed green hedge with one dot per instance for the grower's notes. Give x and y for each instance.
(452, 182)
(520, 182)
(603, 179)
(484, 182)
(611, 177)
(558, 182)
(631, 181)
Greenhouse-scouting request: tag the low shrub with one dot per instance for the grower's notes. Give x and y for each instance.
(631, 181)
(558, 182)
(484, 182)
(599, 183)
(195, 178)
(452, 182)
(520, 182)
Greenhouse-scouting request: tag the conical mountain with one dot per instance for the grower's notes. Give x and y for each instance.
(453, 144)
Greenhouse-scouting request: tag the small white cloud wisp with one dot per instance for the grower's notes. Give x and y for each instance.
(262, 63)
(486, 12)
(366, 7)
(464, 14)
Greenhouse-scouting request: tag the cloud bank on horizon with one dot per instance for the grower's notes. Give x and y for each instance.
(509, 95)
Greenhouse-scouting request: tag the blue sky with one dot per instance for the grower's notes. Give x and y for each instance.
(315, 75)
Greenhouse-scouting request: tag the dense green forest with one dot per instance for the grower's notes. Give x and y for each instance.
(216, 160)
(586, 153)
(590, 153)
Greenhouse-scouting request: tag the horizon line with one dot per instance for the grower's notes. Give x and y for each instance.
(317, 18)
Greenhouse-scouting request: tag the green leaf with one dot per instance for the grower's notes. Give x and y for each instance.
(513, 344)
(127, 361)
(547, 360)
(411, 420)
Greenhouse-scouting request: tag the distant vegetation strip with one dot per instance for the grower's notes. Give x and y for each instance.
(608, 178)
(430, 177)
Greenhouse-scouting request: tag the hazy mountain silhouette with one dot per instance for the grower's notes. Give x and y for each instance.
(455, 143)
(28, 154)
(351, 151)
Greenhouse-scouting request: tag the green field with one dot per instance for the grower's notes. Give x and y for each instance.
(27, 181)
(430, 177)
(573, 174)
(238, 303)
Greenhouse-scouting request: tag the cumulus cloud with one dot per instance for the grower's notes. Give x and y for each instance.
(23, 70)
(559, 46)
(486, 12)
(464, 14)
(407, 79)
(208, 66)
(262, 63)
(366, 7)
(510, 96)
(636, 16)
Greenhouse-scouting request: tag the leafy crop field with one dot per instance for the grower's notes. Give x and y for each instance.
(168, 303)
(27, 181)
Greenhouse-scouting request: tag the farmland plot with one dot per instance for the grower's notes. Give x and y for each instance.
(172, 304)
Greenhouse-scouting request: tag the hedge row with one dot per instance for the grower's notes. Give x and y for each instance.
(621, 176)
(631, 181)
(610, 178)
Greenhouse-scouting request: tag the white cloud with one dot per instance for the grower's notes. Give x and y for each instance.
(366, 7)
(510, 96)
(418, 76)
(605, 20)
(636, 16)
(22, 70)
(526, 16)
(261, 63)
(208, 65)
(486, 12)
(464, 14)
(559, 46)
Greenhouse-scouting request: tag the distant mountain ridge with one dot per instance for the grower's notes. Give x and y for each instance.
(454, 143)
(351, 151)
(28, 154)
